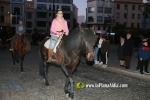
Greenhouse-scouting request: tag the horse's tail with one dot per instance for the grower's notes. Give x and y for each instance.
(41, 68)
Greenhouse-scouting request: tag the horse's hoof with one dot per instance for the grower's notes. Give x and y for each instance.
(67, 95)
(48, 87)
(44, 80)
(22, 72)
(71, 95)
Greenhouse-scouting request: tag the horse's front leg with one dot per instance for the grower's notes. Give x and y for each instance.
(21, 62)
(69, 82)
(66, 85)
(46, 73)
(13, 58)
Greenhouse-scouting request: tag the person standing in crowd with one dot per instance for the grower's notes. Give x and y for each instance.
(104, 51)
(139, 62)
(128, 50)
(120, 51)
(144, 55)
(99, 56)
(96, 49)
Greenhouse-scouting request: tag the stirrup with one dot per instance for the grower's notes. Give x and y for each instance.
(11, 49)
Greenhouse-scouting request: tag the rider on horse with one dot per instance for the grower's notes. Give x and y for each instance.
(20, 29)
(58, 24)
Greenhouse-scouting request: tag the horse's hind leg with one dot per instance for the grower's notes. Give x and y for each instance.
(46, 73)
(21, 63)
(13, 58)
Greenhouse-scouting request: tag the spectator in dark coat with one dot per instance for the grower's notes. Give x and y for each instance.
(104, 51)
(121, 56)
(128, 50)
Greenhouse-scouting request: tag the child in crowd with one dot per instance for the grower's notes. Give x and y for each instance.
(144, 55)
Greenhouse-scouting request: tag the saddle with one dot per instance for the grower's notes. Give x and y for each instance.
(47, 43)
(17, 43)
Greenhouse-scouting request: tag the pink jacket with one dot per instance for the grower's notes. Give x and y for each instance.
(58, 25)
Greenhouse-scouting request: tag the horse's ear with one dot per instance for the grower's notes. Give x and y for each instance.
(81, 29)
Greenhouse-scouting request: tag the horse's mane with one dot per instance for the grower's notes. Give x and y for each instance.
(75, 39)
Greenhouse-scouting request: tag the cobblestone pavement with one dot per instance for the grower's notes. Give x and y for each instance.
(28, 85)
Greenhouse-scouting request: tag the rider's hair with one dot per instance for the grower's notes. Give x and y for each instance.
(58, 10)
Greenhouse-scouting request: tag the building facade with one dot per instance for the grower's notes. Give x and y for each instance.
(99, 12)
(16, 11)
(145, 21)
(45, 12)
(29, 15)
(4, 13)
(128, 13)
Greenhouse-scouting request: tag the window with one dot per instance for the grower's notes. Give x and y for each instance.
(125, 24)
(91, 9)
(2, 19)
(66, 15)
(65, 1)
(15, 19)
(133, 7)
(17, 11)
(56, 1)
(99, 27)
(125, 7)
(139, 7)
(118, 15)
(108, 10)
(1, 9)
(41, 23)
(28, 24)
(133, 16)
(107, 20)
(50, 7)
(132, 25)
(90, 19)
(16, 0)
(138, 25)
(50, 1)
(41, 0)
(50, 15)
(66, 8)
(41, 6)
(139, 16)
(125, 15)
(28, 15)
(41, 14)
(118, 6)
(57, 7)
(100, 9)
(99, 19)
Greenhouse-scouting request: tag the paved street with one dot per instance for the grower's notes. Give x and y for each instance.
(28, 85)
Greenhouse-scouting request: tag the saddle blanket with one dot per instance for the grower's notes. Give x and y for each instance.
(47, 43)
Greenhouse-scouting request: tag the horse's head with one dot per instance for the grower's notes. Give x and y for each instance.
(88, 41)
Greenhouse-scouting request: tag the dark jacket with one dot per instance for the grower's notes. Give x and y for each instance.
(97, 42)
(120, 51)
(105, 46)
(128, 47)
(144, 52)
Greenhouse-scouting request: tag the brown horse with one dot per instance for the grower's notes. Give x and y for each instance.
(79, 43)
(20, 48)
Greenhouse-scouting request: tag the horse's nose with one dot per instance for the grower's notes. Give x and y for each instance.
(90, 56)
